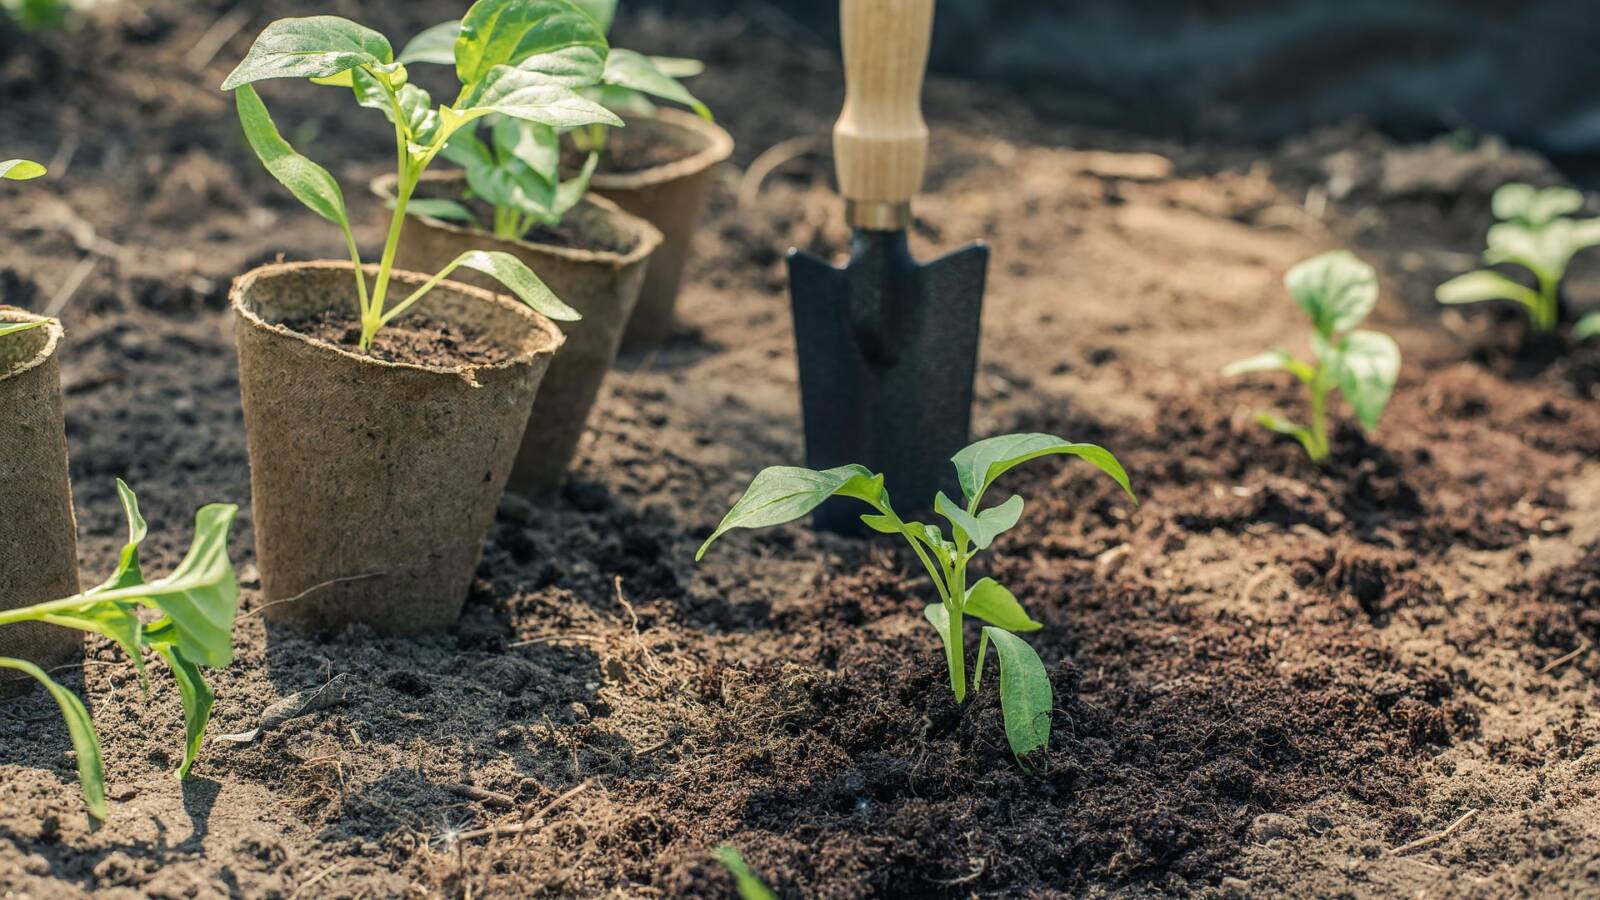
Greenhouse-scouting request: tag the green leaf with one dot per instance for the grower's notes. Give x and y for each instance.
(434, 46)
(18, 327)
(201, 596)
(983, 528)
(20, 169)
(537, 146)
(571, 191)
(515, 274)
(512, 183)
(784, 493)
(1587, 327)
(1545, 250)
(1367, 364)
(310, 183)
(421, 120)
(635, 71)
(514, 32)
(1482, 285)
(1271, 361)
(1282, 426)
(311, 47)
(1025, 695)
(882, 524)
(1336, 289)
(128, 572)
(980, 464)
(447, 210)
(537, 98)
(196, 695)
(91, 768)
(1533, 207)
(745, 881)
(465, 150)
(604, 12)
(939, 618)
(678, 66)
(994, 604)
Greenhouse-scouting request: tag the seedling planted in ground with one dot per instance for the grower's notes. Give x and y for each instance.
(1338, 291)
(196, 605)
(520, 59)
(784, 493)
(1534, 232)
(518, 170)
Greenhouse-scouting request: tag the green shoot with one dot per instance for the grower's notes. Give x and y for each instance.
(783, 493)
(42, 15)
(521, 59)
(7, 328)
(1536, 233)
(519, 172)
(195, 607)
(746, 882)
(1587, 327)
(1338, 291)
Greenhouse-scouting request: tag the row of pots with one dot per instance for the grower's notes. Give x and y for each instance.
(373, 483)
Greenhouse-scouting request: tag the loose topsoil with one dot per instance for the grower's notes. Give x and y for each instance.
(1374, 678)
(416, 339)
(626, 152)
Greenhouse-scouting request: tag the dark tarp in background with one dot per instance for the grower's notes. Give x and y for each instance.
(1262, 69)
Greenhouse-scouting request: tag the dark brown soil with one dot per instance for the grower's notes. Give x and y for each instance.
(1271, 678)
(413, 339)
(625, 154)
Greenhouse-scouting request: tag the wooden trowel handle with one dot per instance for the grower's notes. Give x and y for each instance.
(880, 143)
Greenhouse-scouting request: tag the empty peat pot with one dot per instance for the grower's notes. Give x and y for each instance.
(372, 482)
(671, 196)
(38, 535)
(597, 268)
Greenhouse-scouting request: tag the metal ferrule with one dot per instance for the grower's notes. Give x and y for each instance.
(877, 215)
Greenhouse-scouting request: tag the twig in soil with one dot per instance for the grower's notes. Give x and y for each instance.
(493, 798)
(63, 296)
(1560, 661)
(548, 638)
(770, 160)
(308, 591)
(216, 37)
(319, 876)
(532, 822)
(1437, 836)
(1248, 593)
(983, 863)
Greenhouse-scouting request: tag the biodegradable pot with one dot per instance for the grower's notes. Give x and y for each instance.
(38, 535)
(671, 197)
(602, 285)
(373, 483)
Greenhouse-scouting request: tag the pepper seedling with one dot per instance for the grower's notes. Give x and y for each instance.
(522, 59)
(784, 493)
(1535, 232)
(196, 605)
(1338, 291)
(518, 170)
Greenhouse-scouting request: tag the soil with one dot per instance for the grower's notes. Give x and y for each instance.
(624, 154)
(414, 339)
(1371, 678)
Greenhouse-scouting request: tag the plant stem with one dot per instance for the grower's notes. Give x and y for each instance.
(1548, 312)
(380, 289)
(1318, 446)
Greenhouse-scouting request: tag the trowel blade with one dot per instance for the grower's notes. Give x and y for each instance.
(888, 351)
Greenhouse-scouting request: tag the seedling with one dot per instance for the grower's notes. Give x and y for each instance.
(746, 881)
(518, 170)
(1338, 291)
(196, 605)
(523, 59)
(1587, 327)
(1536, 233)
(783, 493)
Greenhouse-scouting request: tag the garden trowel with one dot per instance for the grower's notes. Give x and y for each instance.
(887, 346)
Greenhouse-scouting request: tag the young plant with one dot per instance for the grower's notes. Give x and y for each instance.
(783, 493)
(1338, 291)
(518, 170)
(1587, 327)
(746, 881)
(195, 607)
(521, 59)
(1536, 233)
(42, 15)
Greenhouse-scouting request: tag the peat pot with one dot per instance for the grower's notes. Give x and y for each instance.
(598, 271)
(38, 535)
(670, 196)
(372, 482)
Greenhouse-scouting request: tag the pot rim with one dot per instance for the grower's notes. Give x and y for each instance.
(54, 334)
(646, 236)
(719, 146)
(541, 326)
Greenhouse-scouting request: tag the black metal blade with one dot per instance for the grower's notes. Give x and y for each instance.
(888, 351)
